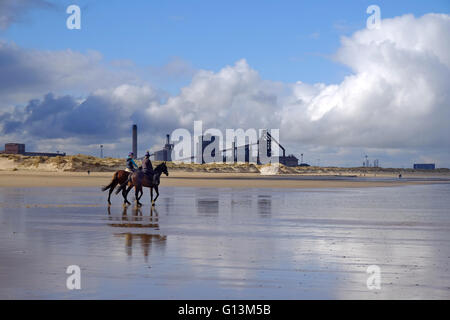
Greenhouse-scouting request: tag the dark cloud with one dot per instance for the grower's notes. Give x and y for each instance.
(16, 71)
(64, 117)
(11, 126)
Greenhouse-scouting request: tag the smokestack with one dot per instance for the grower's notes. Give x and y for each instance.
(167, 138)
(134, 141)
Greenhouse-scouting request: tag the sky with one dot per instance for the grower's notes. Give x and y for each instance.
(336, 89)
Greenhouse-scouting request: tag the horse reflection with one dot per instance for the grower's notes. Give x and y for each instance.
(138, 221)
(147, 241)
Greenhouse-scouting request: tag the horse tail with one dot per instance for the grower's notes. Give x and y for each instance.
(114, 179)
(106, 187)
(121, 187)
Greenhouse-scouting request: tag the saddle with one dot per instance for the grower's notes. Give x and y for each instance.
(151, 176)
(133, 170)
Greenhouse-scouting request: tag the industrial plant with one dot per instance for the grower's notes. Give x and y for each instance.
(367, 164)
(243, 152)
(166, 153)
(236, 153)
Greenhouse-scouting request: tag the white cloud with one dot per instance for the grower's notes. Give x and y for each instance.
(26, 74)
(397, 96)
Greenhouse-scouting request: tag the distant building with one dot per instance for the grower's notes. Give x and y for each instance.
(19, 148)
(213, 155)
(304, 165)
(166, 153)
(14, 148)
(209, 150)
(376, 163)
(289, 161)
(424, 166)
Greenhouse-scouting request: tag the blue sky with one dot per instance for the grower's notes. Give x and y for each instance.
(284, 40)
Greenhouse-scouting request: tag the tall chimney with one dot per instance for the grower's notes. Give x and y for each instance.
(134, 141)
(167, 140)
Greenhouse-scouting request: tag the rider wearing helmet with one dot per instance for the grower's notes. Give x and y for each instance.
(131, 165)
(147, 166)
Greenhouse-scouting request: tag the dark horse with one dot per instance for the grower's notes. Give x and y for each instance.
(119, 177)
(138, 180)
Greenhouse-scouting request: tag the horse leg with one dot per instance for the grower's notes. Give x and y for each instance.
(157, 195)
(141, 193)
(141, 190)
(125, 194)
(136, 192)
(151, 195)
(111, 189)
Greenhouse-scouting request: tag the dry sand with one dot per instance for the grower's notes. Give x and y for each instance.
(71, 171)
(28, 178)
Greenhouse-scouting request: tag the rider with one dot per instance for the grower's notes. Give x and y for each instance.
(147, 165)
(131, 165)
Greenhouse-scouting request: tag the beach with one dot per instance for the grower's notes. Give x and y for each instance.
(227, 243)
(30, 178)
(216, 235)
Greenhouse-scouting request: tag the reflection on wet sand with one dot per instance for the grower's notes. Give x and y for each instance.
(229, 243)
(208, 207)
(136, 216)
(137, 220)
(264, 205)
(146, 241)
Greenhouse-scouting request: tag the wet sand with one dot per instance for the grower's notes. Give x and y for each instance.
(227, 243)
(22, 179)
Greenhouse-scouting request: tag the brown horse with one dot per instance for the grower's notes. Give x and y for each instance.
(138, 180)
(119, 177)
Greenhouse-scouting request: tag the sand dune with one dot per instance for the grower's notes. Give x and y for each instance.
(83, 163)
(72, 171)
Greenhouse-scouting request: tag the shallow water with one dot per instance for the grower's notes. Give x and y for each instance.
(206, 243)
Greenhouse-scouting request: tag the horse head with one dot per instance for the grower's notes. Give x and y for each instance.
(162, 168)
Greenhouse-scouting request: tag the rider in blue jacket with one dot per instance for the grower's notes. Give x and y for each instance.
(131, 165)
